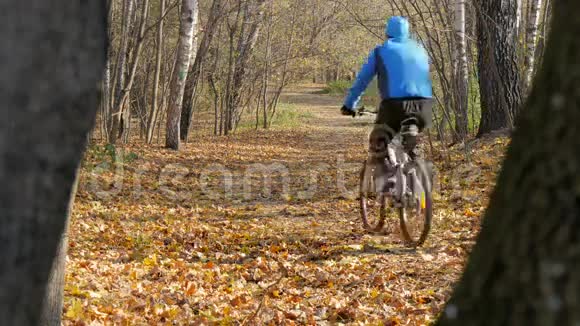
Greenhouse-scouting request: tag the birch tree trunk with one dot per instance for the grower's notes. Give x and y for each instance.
(545, 27)
(188, 20)
(106, 98)
(461, 71)
(531, 37)
(195, 71)
(49, 95)
(524, 269)
(158, 57)
(519, 5)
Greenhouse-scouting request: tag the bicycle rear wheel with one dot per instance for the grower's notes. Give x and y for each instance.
(372, 200)
(416, 214)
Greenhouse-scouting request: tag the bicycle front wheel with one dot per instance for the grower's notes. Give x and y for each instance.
(372, 200)
(416, 214)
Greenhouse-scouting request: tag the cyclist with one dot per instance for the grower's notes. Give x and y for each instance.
(402, 66)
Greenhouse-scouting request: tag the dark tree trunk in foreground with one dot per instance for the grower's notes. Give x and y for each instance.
(525, 267)
(499, 74)
(53, 55)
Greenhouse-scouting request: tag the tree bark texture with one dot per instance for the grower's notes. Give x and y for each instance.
(194, 74)
(52, 304)
(525, 267)
(499, 74)
(53, 55)
(461, 71)
(184, 49)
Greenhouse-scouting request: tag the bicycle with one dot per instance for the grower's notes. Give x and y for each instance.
(406, 184)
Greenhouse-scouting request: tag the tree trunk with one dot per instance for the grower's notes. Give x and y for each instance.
(124, 107)
(188, 21)
(519, 12)
(52, 304)
(194, 74)
(249, 33)
(524, 268)
(121, 71)
(105, 115)
(531, 37)
(106, 98)
(266, 74)
(190, 85)
(546, 21)
(158, 57)
(232, 30)
(499, 75)
(461, 72)
(49, 99)
(110, 69)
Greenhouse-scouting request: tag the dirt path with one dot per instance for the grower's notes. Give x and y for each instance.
(178, 243)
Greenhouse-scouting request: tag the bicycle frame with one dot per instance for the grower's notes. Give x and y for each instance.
(405, 176)
(405, 183)
(406, 179)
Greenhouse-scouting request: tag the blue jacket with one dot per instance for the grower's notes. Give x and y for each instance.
(402, 66)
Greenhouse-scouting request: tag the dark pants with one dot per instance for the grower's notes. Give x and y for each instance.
(408, 116)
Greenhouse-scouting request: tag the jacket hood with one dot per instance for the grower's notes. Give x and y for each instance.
(397, 27)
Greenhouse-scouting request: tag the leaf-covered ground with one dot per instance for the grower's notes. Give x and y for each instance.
(165, 240)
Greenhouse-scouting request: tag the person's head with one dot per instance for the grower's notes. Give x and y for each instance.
(397, 28)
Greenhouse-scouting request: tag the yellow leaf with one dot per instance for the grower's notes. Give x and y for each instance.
(150, 261)
(173, 313)
(75, 311)
(470, 213)
(75, 291)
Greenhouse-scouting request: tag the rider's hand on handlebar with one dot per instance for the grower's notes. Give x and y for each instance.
(346, 111)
